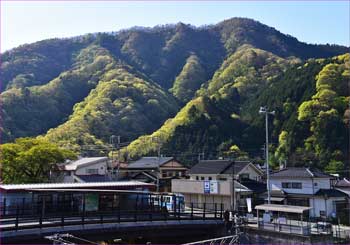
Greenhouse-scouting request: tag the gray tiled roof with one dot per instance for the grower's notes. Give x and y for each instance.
(330, 193)
(149, 162)
(343, 183)
(295, 172)
(218, 167)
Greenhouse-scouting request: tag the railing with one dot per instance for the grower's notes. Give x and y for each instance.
(26, 217)
(219, 240)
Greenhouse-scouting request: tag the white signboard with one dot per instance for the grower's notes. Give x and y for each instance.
(249, 204)
(214, 189)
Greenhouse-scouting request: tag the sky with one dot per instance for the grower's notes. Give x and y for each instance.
(29, 21)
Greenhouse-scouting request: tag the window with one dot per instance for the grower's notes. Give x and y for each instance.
(197, 178)
(315, 184)
(223, 179)
(202, 178)
(244, 176)
(291, 185)
(92, 171)
(296, 185)
(286, 185)
(209, 178)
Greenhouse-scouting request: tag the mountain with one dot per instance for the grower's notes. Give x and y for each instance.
(196, 88)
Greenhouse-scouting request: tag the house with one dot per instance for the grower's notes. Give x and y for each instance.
(224, 169)
(153, 169)
(306, 187)
(211, 182)
(86, 169)
(343, 185)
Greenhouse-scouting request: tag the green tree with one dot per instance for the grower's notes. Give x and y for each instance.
(30, 160)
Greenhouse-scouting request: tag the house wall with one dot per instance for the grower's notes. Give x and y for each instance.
(326, 205)
(101, 168)
(309, 186)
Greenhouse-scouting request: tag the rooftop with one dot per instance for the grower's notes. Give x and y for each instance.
(149, 162)
(283, 208)
(295, 172)
(330, 193)
(74, 185)
(218, 167)
(83, 161)
(343, 183)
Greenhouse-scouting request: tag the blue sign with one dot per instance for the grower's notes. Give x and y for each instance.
(207, 187)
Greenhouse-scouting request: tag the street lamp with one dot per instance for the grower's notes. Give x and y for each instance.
(264, 110)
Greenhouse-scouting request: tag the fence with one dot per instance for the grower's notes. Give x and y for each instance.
(39, 216)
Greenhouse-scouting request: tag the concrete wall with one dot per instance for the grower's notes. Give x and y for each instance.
(195, 186)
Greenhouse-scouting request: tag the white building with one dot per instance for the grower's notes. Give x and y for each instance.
(87, 169)
(211, 181)
(306, 187)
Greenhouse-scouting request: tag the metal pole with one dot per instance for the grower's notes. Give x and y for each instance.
(267, 157)
(158, 168)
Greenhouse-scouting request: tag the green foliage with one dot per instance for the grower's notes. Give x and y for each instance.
(87, 88)
(122, 104)
(33, 110)
(324, 112)
(190, 79)
(30, 160)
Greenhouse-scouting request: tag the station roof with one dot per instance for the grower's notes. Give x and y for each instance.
(96, 185)
(282, 208)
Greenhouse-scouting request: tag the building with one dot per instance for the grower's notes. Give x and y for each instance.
(343, 185)
(306, 187)
(152, 169)
(66, 197)
(211, 181)
(86, 169)
(224, 169)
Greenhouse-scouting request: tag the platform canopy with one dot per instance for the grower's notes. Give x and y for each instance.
(283, 208)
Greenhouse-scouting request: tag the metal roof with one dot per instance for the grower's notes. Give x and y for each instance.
(83, 161)
(149, 162)
(299, 172)
(282, 208)
(73, 185)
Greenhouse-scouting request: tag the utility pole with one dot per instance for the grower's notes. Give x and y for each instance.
(233, 191)
(264, 110)
(157, 139)
(115, 145)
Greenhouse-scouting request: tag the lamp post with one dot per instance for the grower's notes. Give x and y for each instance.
(264, 110)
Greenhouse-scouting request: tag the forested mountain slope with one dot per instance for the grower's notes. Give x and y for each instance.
(203, 84)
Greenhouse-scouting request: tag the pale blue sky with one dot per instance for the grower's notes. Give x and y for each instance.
(30, 21)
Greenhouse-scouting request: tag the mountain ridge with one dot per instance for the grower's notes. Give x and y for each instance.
(81, 90)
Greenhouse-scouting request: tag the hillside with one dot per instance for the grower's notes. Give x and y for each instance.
(197, 88)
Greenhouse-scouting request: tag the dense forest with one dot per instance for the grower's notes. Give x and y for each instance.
(196, 90)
